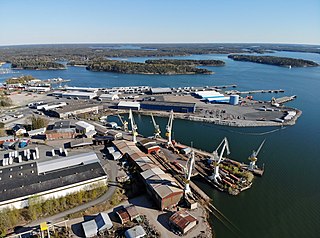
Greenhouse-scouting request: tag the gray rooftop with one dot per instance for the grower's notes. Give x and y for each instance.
(166, 103)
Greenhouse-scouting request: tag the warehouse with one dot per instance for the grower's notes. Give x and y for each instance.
(68, 133)
(148, 146)
(129, 105)
(109, 97)
(101, 222)
(79, 95)
(82, 89)
(162, 188)
(168, 106)
(74, 109)
(183, 221)
(84, 127)
(160, 90)
(49, 179)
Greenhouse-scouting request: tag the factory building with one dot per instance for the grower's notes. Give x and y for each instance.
(168, 106)
(49, 179)
(73, 109)
(129, 105)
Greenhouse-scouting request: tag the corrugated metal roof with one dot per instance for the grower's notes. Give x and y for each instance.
(90, 228)
(129, 104)
(103, 221)
(161, 90)
(182, 219)
(56, 164)
(135, 232)
(83, 125)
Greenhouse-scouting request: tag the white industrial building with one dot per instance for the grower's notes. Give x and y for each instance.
(79, 95)
(39, 89)
(82, 89)
(49, 179)
(40, 131)
(135, 232)
(84, 127)
(110, 97)
(129, 105)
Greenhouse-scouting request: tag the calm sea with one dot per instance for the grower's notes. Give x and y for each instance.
(285, 202)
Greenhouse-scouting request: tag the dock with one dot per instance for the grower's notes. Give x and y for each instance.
(255, 91)
(285, 99)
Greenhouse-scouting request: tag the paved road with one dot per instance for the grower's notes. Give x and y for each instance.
(112, 172)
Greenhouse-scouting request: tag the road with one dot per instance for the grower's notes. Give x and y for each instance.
(112, 172)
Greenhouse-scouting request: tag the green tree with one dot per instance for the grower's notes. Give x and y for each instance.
(38, 122)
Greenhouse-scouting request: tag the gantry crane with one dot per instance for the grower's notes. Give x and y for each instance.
(157, 130)
(188, 172)
(254, 157)
(124, 123)
(169, 130)
(134, 127)
(217, 159)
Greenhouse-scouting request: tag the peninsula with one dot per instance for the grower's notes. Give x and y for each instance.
(274, 60)
(163, 68)
(187, 62)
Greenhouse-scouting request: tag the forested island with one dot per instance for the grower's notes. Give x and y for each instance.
(36, 65)
(187, 62)
(274, 60)
(145, 68)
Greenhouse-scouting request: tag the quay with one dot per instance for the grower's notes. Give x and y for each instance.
(255, 91)
(285, 99)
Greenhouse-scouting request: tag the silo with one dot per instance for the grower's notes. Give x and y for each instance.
(234, 99)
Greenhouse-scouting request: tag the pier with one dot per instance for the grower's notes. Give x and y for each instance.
(285, 99)
(255, 91)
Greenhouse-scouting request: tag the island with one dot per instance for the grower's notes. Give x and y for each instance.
(163, 68)
(36, 65)
(187, 62)
(274, 60)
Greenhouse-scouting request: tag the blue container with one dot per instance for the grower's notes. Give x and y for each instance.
(234, 100)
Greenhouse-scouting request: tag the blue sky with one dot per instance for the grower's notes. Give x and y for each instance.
(159, 21)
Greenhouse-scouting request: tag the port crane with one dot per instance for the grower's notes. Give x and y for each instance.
(134, 127)
(169, 130)
(188, 172)
(157, 130)
(217, 159)
(254, 157)
(124, 123)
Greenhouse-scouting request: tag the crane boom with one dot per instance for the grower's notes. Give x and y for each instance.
(157, 130)
(189, 167)
(124, 123)
(133, 127)
(260, 147)
(169, 129)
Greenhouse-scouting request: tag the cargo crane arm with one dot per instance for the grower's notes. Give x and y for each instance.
(134, 127)
(217, 159)
(188, 172)
(157, 130)
(169, 130)
(254, 157)
(124, 123)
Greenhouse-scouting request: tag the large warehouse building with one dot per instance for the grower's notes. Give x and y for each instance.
(161, 186)
(168, 106)
(49, 179)
(74, 109)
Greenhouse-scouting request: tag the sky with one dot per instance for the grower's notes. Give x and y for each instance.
(159, 21)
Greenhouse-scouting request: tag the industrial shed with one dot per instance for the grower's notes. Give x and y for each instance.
(79, 95)
(73, 109)
(129, 105)
(168, 106)
(135, 232)
(100, 223)
(160, 90)
(183, 221)
(162, 188)
(84, 127)
(148, 146)
(69, 133)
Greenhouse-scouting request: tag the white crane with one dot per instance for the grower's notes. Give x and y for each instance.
(254, 157)
(217, 159)
(188, 172)
(124, 123)
(169, 130)
(157, 130)
(133, 127)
